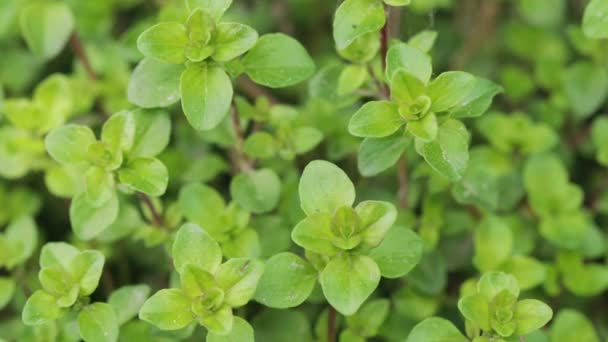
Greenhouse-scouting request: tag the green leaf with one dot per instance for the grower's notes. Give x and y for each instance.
(152, 133)
(69, 144)
(257, 191)
(586, 87)
(55, 95)
(397, 2)
(201, 204)
(423, 40)
(355, 18)
(165, 42)
(476, 308)
(599, 137)
(424, 129)
(127, 300)
(595, 19)
(148, 175)
(450, 89)
(22, 235)
(282, 325)
(97, 323)
(347, 281)
(435, 329)
(46, 27)
(155, 84)
(531, 314)
(58, 254)
(215, 8)
(239, 278)
(448, 154)
(478, 99)
(233, 40)
(352, 78)
(493, 243)
(7, 289)
(118, 132)
(406, 87)
(206, 93)
(88, 219)
(99, 185)
(492, 283)
(86, 268)
(572, 326)
(277, 61)
(376, 119)
(167, 309)
(306, 138)
(241, 332)
(369, 318)
(40, 308)
(192, 245)
(377, 155)
(314, 233)
(288, 281)
(402, 56)
(400, 251)
(260, 145)
(528, 271)
(324, 187)
(376, 217)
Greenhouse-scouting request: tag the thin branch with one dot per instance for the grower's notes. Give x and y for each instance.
(331, 324)
(242, 162)
(156, 217)
(82, 56)
(253, 90)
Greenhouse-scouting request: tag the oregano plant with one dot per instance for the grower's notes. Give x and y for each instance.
(304, 170)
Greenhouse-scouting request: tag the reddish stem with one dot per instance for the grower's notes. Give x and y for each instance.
(331, 324)
(82, 56)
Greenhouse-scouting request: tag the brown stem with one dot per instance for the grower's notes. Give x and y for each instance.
(482, 26)
(331, 324)
(402, 179)
(156, 217)
(82, 56)
(253, 90)
(384, 33)
(242, 163)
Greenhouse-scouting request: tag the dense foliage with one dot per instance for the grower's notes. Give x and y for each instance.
(304, 170)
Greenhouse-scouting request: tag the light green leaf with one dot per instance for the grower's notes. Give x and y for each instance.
(306, 138)
(40, 308)
(424, 129)
(376, 119)
(450, 89)
(69, 144)
(99, 185)
(586, 87)
(399, 252)
(7, 289)
(165, 42)
(599, 137)
(478, 99)
(351, 78)
(206, 93)
(377, 217)
(406, 87)
(260, 145)
(239, 278)
(155, 84)
(423, 40)
(257, 191)
(324, 187)
(233, 40)
(215, 8)
(152, 133)
(314, 233)
(60, 285)
(435, 329)
(118, 132)
(287, 281)
(476, 308)
(493, 243)
(377, 155)
(86, 268)
(167, 309)
(277, 61)
(55, 96)
(595, 19)
(402, 56)
(492, 283)
(201, 204)
(347, 281)
(192, 245)
(127, 301)
(531, 314)
(46, 27)
(22, 235)
(528, 271)
(58, 254)
(572, 326)
(241, 332)
(448, 154)
(355, 18)
(97, 323)
(89, 220)
(148, 175)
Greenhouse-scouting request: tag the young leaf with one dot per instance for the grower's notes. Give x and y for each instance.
(86, 268)
(377, 217)
(595, 19)
(7, 289)
(277, 61)
(201, 204)
(192, 245)
(324, 187)
(531, 314)
(399, 252)
(233, 40)
(155, 84)
(402, 56)
(314, 233)
(206, 93)
(377, 155)
(376, 119)
(435, 329)
(167, 309)
(46, 27)
(88, 219)
(355, 18)
(40, 308)
(287, 281)
(424, 129)
(215, 8)
(165, 42)
(99, 185)
(476, 308)
(493, 243)
(239, 278)
(127, 300)
(257, 191)
(118, 132)
(97, 323)
(69, 144)
(241, 332)
(347, 281)
(22, 235)
(450, 89)
(572, 326)
(148, 175)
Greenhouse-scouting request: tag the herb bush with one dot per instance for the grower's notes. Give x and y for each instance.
(304, 170)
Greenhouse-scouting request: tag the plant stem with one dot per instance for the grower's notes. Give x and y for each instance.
(156, 217)
(402, 180)
(82, 56)
(331, 324)
(253, 90)
(242, 163)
